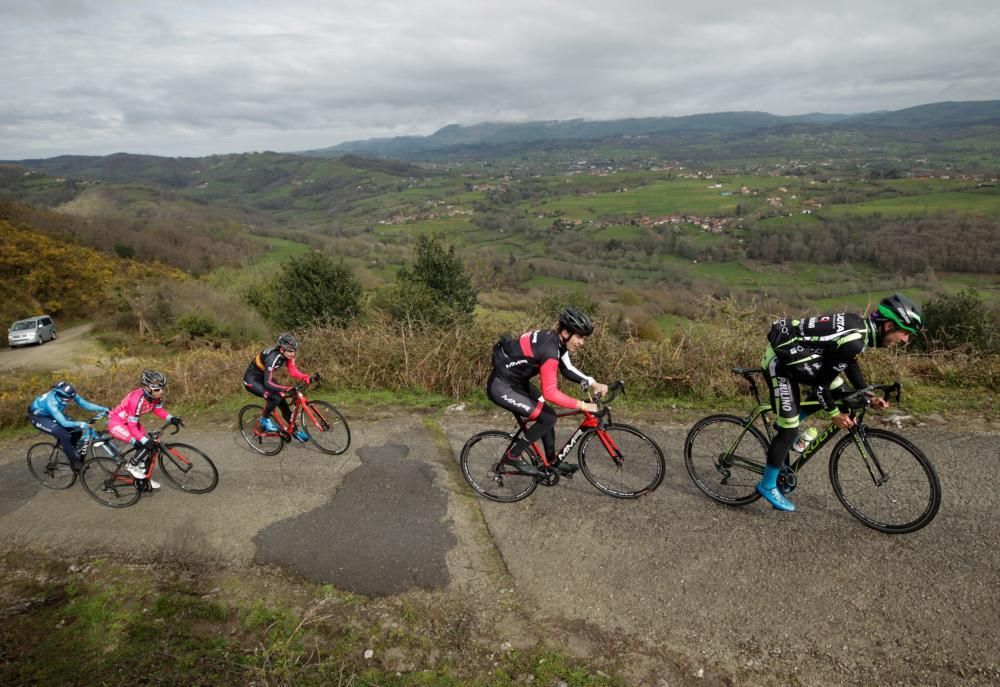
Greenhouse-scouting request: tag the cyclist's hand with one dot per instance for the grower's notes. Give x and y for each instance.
(599, 389)
(844, 421)
(590, 407)
(83, 425)
(315, 377)
(877, 402)
(176, 421)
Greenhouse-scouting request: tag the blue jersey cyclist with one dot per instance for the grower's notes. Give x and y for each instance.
(48, 414)
(542, 352)
(815, 351)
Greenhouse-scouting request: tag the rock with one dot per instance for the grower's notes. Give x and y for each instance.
(369, 653)
(456, 408)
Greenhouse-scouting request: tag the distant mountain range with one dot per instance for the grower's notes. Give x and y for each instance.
(496, 136)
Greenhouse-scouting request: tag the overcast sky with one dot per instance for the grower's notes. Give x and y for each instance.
(184, 78)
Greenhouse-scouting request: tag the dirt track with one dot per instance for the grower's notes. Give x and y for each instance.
(747, 595)
(71, 349)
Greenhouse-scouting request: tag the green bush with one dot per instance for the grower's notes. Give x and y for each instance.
(310, 289)
(960, 320)
(434, 289)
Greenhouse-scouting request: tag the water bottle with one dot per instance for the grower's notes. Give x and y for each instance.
(806, 437)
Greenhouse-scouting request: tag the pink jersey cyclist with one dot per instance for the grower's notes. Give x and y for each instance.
(124, 421)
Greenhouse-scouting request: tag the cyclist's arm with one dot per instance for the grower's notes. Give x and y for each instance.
(571, 372)
(843, 360)
(55, 412)
(550, 386)
(296, 372)
(161, 412)
(92, 407)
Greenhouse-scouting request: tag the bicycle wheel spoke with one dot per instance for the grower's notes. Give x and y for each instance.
(485, 472)
(724, 461)
(886, 483)
(108, 483)
(326, 427)
(188, 469)
(621, 461)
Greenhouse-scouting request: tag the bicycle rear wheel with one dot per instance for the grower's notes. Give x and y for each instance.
(485, 470)
(622, 462)
(725, 458)
(260, 440)
(109, 483)
(50, 466)
(188, 469)
(886, 482)
(326, 427)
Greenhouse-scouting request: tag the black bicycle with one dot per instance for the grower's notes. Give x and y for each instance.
(110, 483)
(881, 478)
(617, 459)
(49, 465)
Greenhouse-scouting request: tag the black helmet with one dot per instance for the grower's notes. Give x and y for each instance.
(288, 342)
(64, 390)
(152, 380)
(901, 310)
(575, 322)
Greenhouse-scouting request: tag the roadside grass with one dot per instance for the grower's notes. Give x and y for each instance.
(90, 622)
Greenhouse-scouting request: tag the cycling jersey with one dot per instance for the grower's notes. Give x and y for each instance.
(540, 352)
(124, 424)
(52, 405)
(264, 365)
(815, 350)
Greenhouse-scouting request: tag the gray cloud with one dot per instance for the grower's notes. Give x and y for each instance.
(194, 78)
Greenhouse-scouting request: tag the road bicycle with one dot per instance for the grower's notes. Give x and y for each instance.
(617, 459)
(322, 423)
(110, 483)
(49, 465)
(881, 478)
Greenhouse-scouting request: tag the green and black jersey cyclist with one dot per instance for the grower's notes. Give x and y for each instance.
(542, 353)
(815, 351)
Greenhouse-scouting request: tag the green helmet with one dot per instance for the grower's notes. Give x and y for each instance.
(901, 310)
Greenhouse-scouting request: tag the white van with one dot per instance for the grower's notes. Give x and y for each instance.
(34, 330)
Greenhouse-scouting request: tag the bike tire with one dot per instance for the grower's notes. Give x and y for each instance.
(108, 483)
(894, 489)
(266, 443)
(482, 468)
(188, 468)
(709, 448)
(637, 469)
(49, 465)
(326, 427)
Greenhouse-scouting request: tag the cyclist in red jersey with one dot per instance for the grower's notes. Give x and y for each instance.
(259, 381)
(541, 352)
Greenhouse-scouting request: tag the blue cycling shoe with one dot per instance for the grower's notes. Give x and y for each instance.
(268, 425)
(776, 498)
(301, 436)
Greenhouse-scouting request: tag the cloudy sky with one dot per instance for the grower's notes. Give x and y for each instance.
(185, 78)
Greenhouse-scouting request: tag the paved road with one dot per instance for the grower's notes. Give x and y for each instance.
(750, 594)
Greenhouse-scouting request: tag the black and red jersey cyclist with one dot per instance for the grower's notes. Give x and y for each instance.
(259, 381)
(541, 352)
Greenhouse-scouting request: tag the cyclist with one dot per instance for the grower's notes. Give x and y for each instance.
(47, 414)
(540, 352)
(124, 423)
(814, 351)
(259, 381)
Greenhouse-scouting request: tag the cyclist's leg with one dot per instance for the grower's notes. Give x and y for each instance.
(130, 433)
(256, 385)
(61, 434)
(785, 401)
(520, 403)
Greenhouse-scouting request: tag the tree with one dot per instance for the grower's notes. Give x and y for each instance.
(310, 289)
(435, 288)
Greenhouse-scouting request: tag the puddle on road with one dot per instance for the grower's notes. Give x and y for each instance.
(17, 486)
(383, 533)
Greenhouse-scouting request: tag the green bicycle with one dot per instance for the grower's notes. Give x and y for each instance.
(881, 478)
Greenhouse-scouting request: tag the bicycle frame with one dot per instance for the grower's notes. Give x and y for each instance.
(300, 406)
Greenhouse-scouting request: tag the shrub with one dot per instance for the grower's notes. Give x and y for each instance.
(961, 319)
(434, 289)
(310, 289)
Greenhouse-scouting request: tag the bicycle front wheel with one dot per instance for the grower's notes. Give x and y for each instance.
(485, 470)
(885, 482)
(50, 466)
(621, 461)
(259, 439)
(109, 483)
(326, 427)
(725, 459)
(188, 469)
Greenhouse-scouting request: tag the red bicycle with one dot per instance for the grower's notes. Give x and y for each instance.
(617, 459)
(322, 423)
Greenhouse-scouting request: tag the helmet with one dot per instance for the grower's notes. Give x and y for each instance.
(575, 322)
(288, 342)
(64, 390)
(152, 380)
(901, 310)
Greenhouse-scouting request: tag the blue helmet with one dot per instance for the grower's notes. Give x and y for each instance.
(65, 390)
